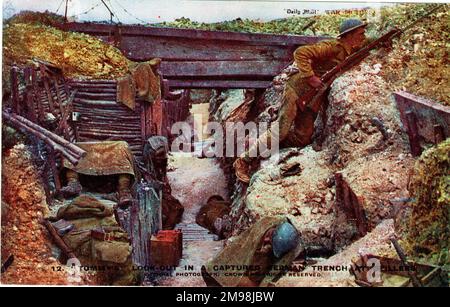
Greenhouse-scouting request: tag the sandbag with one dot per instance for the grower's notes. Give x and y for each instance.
(84, 206)
(229, 267)
(216, 208)
(98, 241)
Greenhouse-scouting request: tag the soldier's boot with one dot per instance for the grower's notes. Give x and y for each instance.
(242, 169)
(125, 197)
(73, 187)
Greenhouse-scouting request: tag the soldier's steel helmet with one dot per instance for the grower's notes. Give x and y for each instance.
(284, 239)
(349, 25)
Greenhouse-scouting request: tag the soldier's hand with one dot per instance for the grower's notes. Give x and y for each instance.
(315, 81)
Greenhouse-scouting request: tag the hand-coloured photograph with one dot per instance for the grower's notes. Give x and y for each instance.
(208, 143)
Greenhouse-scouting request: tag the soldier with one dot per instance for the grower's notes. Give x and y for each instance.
(296, 120)
(257, 257)
(89, 228)
(156, 152)
(103, 159)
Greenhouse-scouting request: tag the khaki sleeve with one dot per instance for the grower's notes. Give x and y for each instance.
(304, 56)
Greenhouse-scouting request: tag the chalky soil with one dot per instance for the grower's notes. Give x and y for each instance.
(193, 180)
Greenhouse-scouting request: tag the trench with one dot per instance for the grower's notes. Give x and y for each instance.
(193, 180)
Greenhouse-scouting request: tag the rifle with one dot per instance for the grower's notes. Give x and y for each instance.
(310, 97)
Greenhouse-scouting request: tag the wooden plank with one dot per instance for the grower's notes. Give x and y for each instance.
(143, 124)
(424, 120)
(106, 118)
(347, 202)
(101, 131)
(106, 126)
(30, 104)
(59, 97)
(86, 89)
(133, 143)
(91, 91)
(185, 49)
(53, 168)
(223, 69)
(29, 95)
(136, 30)
(187, 53)
(439, 134)
(92, 81)
(157, 116)
(97, 96)
(413, 134)
(89, 86)
(129, 135)
(14, 90)
(40, 107)
(98, 103)
(423, 101)
(149, 121)
(86, 111)
(47, 88)
(218, 84)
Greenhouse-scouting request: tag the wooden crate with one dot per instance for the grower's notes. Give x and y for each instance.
(166, 248)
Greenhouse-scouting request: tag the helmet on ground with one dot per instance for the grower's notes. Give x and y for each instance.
(284, 239)
(349, 25)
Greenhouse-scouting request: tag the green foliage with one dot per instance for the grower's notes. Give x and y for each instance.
(46, 18)
(11, 137)
(327, 24)
(429, 227)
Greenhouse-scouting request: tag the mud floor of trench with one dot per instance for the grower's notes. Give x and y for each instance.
(193, 180)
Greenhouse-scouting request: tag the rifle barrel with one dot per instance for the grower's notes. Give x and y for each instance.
(422, 17)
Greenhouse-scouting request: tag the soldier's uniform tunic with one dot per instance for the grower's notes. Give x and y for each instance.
(296, 126)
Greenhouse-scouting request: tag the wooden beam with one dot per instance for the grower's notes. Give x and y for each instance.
(15, 90)
(425, 120)
(40, 107)
(45, 79)
(223, 69)
(185, 49)
(413, 133)
(218, 84)
(137, 30)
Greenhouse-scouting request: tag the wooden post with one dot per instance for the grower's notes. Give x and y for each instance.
(45, 79)
(401, 254)
(15, 90)
(65, 13)
(58, 96)
(165, 88)
(143, 123)
(350, 204)
(117, 36)
(413, 133)
(53, 168)
(65, 117)
(439, 134)
(361, 220)
(148, 121)
(29, 94)
(41, 113)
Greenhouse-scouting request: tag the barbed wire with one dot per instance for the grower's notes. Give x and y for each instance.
(112, 10)
(60, 4)
(126, 11)
(92, 8)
